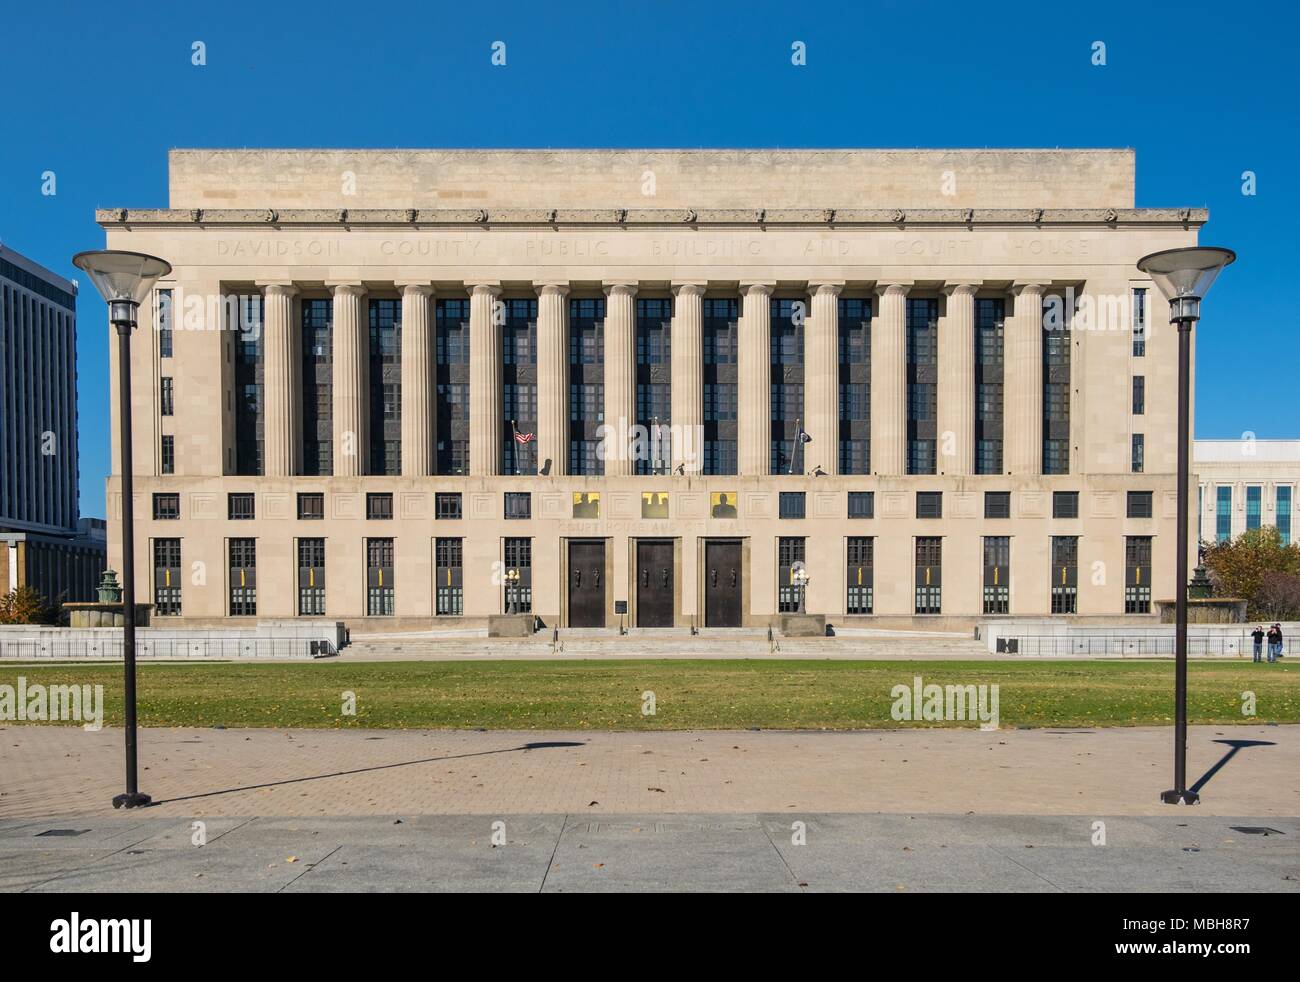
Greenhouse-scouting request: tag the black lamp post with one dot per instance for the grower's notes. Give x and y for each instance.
(124, 279)
(1183, 276)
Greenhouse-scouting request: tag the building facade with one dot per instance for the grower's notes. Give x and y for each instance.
(1245, 484)
(415, 388)
(40, 542)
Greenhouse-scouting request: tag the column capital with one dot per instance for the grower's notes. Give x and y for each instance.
(620, 287)
(962, 288)
(1028, 286)
(826, 287)
(894, 288)
(347, 288)
(551, 289)
(483, 288)
(689, 289)
(762, 287)
(277, 288)
(421, 288)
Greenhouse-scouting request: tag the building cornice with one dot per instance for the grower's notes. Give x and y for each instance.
(422, 218)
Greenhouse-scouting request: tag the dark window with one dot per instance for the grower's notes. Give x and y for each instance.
(385, 361)
(380, 598)
(446, 505)
(586, 384)
(249, 422)
(1065, 574)
(1139, 395)
(719, 326)
(1139, 323)
(453, 385)
(1065, 504)
(167, 454)
(785, 378)
(165, 323)
(519, 505)
(861, 575)
(166, 506)
(1056, 398)
(1139, 454)
(929, 581)
(922, 384)
(240, 506)
(862, 504)
(792, 504)
(997, 562)
(518, 555)
(243, 577)
(1139, 504)
(167, 577)
(166, 397)
(929, 504)
(654, 373)
(990, 360)
(789, 551)
(855, 385)
(519, 385)
(317, 386)
(311, 505)
(311, 577)
(449, 589)
(997, 504)
(1137, 574)
(379, 506)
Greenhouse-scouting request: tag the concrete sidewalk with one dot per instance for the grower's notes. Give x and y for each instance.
(48, 771)
(1178, 851)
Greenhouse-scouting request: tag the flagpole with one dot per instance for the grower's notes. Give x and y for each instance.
(794, 444)
(514, 447)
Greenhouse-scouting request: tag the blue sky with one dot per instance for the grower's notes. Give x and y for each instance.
(672, 74)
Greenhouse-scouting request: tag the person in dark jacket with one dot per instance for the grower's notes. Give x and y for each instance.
(1258, 636)
(1274, 642)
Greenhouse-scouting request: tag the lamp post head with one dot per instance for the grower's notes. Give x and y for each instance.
(123, 279)
(1184, 276)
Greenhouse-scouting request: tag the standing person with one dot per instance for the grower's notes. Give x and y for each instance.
(1258, 636)
(1275, 643)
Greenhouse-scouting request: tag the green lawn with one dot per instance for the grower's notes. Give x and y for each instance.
(689, 694)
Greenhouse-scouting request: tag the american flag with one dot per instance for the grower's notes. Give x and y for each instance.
(522, 437)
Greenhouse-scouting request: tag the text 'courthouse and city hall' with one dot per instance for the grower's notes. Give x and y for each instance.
(402, 388)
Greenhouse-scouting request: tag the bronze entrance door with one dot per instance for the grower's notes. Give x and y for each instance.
(587, 583)
(654, 583)
(722, 583)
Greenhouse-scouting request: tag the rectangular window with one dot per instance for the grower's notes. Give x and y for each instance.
(990, 336)
(519, 386)
(1254, 506)
(929, 588)
(449, 588)
(519, 505)
(861, 575)
(1139, 323)
(1138, 463)
(862, 504)
(785, 381)
(166, 400)
(167, 454)
(586, 384)
(243, 577)
(385, 367)
(248, 375)
(311, 577)
(922, 384)
(166, 507)
(317, 370)
(165, 323)
(720, 349)
(1139, 395)
(997, 504)
(654, 383)
(446, 505)
(311, 505)
(1223, 514)
(1065, 504)
(1283, 501)
(1065, 574)
(518, 592)
(379, 506)
(240, 507)
(855, 385)
(1056, 398)
(1139, 504)
(997, 574)
(380, 600)
(167, 577)
(792, 504)
(929, 504)
(788, 552)
(1137, 574)
(452, 373)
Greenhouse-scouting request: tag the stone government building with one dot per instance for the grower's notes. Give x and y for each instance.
(325, 386)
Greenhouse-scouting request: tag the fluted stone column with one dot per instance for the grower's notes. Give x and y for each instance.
(687, 342)
(821, 379)
(351, 382)
(419, 404)
(754, 395)
(620, 375)
(282, 399)
(889, 381)
(956, 389)
(1023, 381)
(484, 380)
(553, 377)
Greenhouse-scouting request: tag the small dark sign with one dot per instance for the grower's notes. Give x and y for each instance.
(620, 606)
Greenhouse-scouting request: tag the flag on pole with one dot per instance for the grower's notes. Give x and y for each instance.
(803, 436)
(524, 437)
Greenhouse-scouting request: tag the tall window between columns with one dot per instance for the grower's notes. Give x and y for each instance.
(385, 386)
(855, 386)
(922, 383)
(653, 382)
(786, 341)
(990, 321)
(250, 424)
(1056, 396)
(519, 385)
(317, 386)
(452, 378)
(586, 383)
(720, 315)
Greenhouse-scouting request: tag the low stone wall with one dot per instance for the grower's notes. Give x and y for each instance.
(265, 639)
(1046, 637)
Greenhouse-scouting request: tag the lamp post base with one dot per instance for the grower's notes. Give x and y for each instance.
(136, 799)
(1180, 797)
